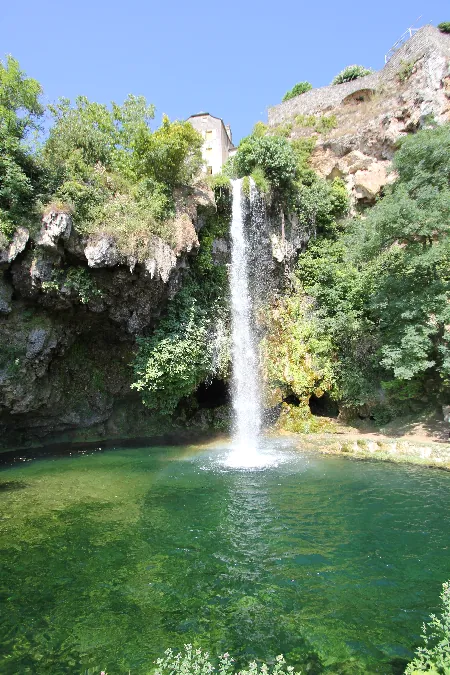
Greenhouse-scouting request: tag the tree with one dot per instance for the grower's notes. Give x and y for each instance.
(20, 173)
(275, 156)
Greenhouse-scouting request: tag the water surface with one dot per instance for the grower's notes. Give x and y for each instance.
(110, 558)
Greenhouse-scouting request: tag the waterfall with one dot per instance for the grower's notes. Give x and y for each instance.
(246, 385)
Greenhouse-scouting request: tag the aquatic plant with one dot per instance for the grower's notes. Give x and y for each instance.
(434, 656)
(199, 662)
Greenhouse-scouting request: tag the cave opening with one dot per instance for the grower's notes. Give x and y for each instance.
(323, 406)
(213, 394)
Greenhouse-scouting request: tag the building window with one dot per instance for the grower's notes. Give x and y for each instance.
(209, 135)
(209, 170)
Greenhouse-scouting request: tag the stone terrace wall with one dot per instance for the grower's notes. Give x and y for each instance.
(426, 41)
(318, 100)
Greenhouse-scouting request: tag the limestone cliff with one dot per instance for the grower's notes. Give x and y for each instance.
(71, 307)
(372, 113)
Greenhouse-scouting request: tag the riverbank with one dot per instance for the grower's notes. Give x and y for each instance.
(423, 441)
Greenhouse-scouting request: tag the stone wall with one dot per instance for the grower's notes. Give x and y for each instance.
(319, 100)
(427, 41)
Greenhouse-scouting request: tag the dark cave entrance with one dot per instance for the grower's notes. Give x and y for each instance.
(213, 394)
(323, 406)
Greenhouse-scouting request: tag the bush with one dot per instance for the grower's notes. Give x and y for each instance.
(297, 89)
(406, 70)
(434, 657)
(444, 27)
(351, 73)
(187, 346)
(273, 155)
(321, 124)
(192, 661)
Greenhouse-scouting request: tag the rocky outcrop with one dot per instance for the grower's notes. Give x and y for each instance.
(56, 226)
(16, 246)
(71, 307)
(371, 114)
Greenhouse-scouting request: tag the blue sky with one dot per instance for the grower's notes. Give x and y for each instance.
(232, 59)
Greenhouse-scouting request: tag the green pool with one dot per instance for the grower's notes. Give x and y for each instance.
(108, 558)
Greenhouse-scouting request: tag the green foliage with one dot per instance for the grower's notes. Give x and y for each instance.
(118, 175)
(219, 181)
(171, 155)
(260, 129)
(296, 354)
(380, 288)
(261, 182)
(406, 70)
(217, 225)
(350, 73)
(320, 123)
(76, 279)
(190, 343)
(297, 89)
(181, 352)
(282, 130)
(434, 656)
(20, 172)
(274, 156)
(319, 205)
(193, 660)
(444, 27)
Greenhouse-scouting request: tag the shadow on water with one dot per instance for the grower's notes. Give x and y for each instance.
(9, 485)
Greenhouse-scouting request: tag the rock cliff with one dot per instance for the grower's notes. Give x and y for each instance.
(372, 113)
(71, 307)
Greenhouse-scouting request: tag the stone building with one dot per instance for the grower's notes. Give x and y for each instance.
(218, 144)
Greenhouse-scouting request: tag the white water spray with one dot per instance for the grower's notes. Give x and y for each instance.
(246, 386)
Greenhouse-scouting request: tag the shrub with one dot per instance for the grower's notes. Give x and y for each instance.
(444, 27)
(297, 89)
(406, 70)
(183, 351)
(321, 124)
(261, 182)
(351, 73)
(273, 155)
(196, 661)
(132, 225)
(260, 129)
(434, 657)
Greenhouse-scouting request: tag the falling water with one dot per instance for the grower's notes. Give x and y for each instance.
(246, 388)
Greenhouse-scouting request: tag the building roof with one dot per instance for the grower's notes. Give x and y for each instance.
(207, 114)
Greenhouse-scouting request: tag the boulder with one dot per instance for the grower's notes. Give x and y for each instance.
(56, 225)
(16, 246)
(102, 251)
(162, 260)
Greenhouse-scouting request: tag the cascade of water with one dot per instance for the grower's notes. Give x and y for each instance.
(246, 386)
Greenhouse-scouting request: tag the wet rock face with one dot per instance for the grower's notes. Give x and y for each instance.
(6, 291)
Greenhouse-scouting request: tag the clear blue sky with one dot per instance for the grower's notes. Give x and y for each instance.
(232, 59)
